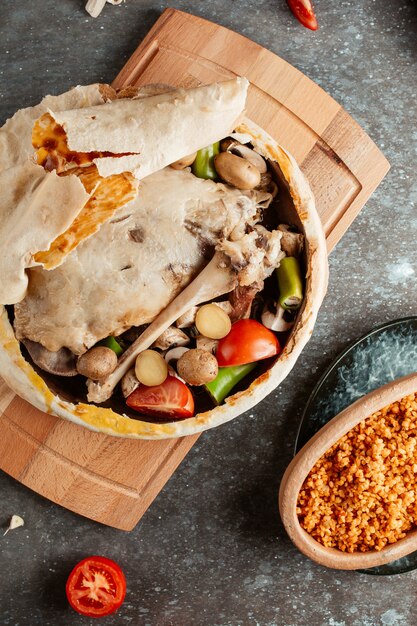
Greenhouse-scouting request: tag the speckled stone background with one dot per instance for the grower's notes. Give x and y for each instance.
(211, 551)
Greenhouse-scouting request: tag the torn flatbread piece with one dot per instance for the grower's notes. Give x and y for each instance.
(50, 142)
(141, 135)
(16, 134)
(108, 195)
(36, 206)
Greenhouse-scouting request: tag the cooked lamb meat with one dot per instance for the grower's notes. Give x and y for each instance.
(255, 255)
(241, 299)
(292, 243)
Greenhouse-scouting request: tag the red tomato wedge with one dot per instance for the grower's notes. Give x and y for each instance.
(304, 13)
(96, 587)
(172, 398)
(248, 341)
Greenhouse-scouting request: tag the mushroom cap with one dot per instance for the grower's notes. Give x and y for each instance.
(197, 367)
(97, 362)
(62, 363)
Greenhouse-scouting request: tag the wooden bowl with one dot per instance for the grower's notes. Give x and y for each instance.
(307, 457)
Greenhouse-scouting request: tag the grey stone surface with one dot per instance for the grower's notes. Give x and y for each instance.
(211, 550)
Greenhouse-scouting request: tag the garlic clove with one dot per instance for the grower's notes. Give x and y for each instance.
(15, 522)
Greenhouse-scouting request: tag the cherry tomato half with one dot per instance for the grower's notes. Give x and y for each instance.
(96, 587)
(248, 341)
(172, 398)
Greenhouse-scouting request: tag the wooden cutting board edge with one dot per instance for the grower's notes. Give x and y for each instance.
(120, 499)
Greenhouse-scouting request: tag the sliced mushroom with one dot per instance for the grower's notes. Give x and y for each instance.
(188, 319)
(15, 522)
(184, 162)
(172, 356)
(62, 363)
(170, 338)
(129, 383)
(291, 243)
(250, 155)
(226, 143)
(275, 319)
(205, 343)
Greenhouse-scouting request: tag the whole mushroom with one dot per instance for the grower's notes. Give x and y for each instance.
(97, 363)
(197, 367)
(250, 155)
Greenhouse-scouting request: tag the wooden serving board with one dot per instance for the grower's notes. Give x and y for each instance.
(111, 480)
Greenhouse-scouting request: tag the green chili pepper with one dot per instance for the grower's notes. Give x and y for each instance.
(110, 342)
(203, 166)
(290, 283)
(226, 379)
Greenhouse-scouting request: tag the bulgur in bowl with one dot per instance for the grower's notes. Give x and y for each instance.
(348, 498)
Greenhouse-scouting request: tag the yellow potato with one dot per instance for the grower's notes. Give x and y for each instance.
(211, 321)
(151, 368)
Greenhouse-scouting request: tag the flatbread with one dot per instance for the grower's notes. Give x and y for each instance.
(149, 126)
(152, 132)
(16, 134)
(108, 195)
(36, 206)
(72, 136)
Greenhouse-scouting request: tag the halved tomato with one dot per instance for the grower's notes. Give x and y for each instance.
(248, 341)
(172, 398)
(96, 587)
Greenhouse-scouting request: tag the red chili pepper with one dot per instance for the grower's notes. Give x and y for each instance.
(304, 13)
